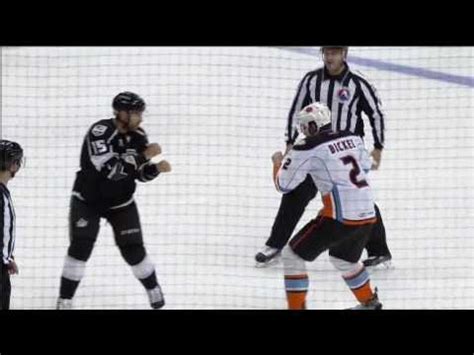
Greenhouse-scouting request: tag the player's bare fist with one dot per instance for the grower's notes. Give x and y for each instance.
(152, 150)
(163, 166)
(376, 155)
(277, 157)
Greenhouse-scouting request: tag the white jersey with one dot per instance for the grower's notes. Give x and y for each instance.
(338, 163)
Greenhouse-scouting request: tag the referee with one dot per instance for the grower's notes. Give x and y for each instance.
(11, 157)
(348, 94)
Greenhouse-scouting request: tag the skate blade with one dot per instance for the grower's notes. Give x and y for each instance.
(386, 265)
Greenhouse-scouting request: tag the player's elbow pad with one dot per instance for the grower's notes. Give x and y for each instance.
(148, 172)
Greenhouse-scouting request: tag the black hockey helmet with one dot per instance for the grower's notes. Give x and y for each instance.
(128, 101)
(10, 153)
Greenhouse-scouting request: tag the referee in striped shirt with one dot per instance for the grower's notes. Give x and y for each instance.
(11, 158)
(348, 94)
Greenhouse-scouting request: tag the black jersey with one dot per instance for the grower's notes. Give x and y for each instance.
(110, 163)
(7, 226)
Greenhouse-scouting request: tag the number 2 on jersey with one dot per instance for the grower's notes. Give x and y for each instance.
(355, 171)
(287, 163)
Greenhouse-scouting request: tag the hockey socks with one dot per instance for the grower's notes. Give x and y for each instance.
(296, 287)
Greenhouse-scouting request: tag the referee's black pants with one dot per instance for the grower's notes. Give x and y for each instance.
(5, 288)
(292, 207)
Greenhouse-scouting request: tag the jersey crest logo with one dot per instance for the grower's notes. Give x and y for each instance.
(99, 130)
(344, 94)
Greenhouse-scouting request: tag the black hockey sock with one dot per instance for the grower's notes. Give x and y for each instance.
(150, 282)
(68, 288)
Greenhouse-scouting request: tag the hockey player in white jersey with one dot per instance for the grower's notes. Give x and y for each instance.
(337, 163)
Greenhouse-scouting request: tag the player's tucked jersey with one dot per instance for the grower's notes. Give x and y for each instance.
(338, 163)
(110, 163)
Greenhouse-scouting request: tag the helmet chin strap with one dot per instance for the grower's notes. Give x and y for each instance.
(313, 129)
(12, 173)
(19, 163)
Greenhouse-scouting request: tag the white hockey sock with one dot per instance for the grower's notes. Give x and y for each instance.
(73, 269)
(143, 269)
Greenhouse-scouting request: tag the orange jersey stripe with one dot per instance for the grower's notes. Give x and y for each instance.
(327, 210)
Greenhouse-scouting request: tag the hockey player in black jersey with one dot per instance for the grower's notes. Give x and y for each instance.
(115, 154)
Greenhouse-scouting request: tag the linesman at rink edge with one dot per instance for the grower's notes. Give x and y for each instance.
(337, 164)
(11, 160)
(348, 94)
(115, 154)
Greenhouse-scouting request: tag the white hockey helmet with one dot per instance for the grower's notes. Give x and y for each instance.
(318, 113)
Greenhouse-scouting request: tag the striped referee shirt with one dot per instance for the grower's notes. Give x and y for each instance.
(347, 95)
(7, 225)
